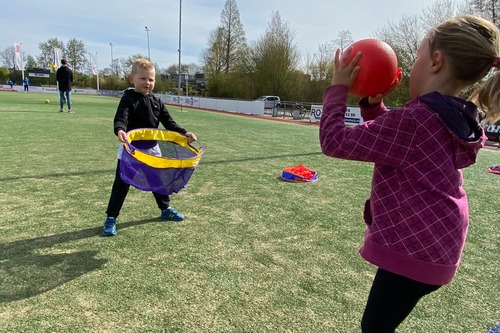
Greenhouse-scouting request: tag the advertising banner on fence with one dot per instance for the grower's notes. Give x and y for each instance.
(492, 131)
(180, 100)
(38, 72)
(352, 115)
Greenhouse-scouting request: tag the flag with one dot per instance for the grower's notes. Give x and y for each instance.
(18, 57)
(57, 57)
(93, 63)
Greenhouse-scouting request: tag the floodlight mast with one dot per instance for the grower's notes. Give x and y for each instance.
(111, 65)
(147, 32)
(179, 69)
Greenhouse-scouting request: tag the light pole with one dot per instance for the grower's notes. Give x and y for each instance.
(147, 32)
(111, 65)
(179, 69)
(22, 61)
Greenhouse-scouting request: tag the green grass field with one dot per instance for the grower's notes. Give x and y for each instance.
(255, 254)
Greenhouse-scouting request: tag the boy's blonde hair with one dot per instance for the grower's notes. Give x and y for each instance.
(472, 45)
(141, 63)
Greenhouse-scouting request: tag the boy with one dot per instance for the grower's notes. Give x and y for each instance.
(139, 108)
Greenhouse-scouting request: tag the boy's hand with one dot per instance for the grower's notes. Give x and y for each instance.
(345, 73)
(122, 136)
(190, 136)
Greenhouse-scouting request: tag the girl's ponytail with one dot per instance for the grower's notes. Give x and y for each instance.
(487, 96)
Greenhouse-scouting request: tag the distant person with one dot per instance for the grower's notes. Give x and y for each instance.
(11, 84)
(64, 77)
(26, 84)
(139, 108)
(417, 215)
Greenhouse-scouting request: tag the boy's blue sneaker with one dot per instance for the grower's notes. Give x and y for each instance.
(109, 227)
(171, 214)
(495, 329)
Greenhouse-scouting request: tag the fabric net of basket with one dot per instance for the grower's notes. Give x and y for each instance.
(158, 160)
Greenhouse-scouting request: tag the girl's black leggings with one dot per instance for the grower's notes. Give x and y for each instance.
(391, 299)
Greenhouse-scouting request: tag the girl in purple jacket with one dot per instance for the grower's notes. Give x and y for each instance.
(417, 214)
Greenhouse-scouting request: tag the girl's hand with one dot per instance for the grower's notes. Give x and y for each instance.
(122, 136)
(372, 100)
(190, 136)
(344, 72)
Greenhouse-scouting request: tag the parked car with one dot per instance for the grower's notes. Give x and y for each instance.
(270, 102)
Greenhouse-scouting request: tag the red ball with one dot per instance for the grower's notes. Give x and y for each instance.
(378, 67)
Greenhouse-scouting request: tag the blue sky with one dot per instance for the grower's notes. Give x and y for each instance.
(122, 23)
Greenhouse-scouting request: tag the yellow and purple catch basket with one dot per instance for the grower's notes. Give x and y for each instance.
(158, 160)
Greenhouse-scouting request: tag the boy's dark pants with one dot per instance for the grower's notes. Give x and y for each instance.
(392, 298)
(119, 193)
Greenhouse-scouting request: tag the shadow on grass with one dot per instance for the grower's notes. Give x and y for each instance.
(112, 171)
(60, 174)
(33, 111)
(270, 157)
(24, 274)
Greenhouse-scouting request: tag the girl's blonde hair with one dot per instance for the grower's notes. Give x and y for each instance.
(141, 63)
(472, 46)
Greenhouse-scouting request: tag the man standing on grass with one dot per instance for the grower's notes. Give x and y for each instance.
(26, 83)
(64, 77)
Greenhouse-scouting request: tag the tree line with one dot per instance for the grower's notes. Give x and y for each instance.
(271, 65)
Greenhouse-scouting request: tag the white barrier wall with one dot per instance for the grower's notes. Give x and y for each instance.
(54, 90)
(228, 105)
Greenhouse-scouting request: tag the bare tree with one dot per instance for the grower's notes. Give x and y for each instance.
(194, 68)
(489, 9)
(406, 34)
(319, 65)
(438, 12)
(343, 40)
(404, 37)
(7, 56)
(173, 69)
(320, 68)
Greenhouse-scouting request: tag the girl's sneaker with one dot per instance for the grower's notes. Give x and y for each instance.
(109, 227)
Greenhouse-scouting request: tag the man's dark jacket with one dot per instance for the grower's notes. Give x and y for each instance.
(64, 77)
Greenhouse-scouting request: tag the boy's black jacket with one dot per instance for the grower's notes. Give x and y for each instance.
(136, 110)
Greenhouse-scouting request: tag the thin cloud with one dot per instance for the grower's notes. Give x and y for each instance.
(98, 23)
